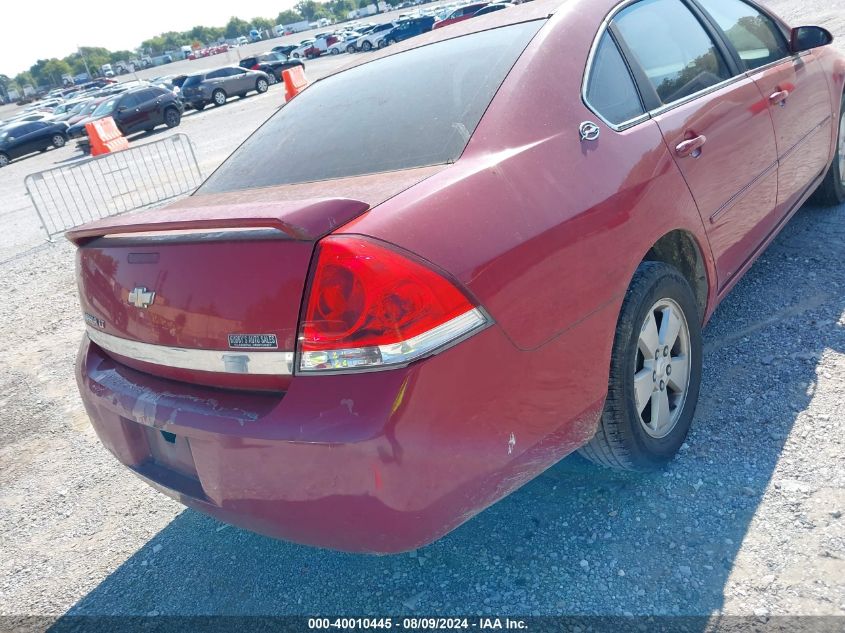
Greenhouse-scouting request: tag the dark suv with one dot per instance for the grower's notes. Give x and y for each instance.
(409, 28)
(271, 63)
(135, 110)
(216, 86)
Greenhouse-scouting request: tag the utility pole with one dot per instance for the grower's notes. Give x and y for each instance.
(87, 70)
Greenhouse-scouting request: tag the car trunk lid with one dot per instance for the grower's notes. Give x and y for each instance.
(209, 290)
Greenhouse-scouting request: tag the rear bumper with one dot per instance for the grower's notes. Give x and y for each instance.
(375, 462)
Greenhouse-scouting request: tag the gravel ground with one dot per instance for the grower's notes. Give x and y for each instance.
(748, 520)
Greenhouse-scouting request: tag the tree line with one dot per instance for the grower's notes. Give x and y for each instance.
(48, 72)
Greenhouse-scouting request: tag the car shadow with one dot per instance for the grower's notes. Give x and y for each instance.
(579, 539)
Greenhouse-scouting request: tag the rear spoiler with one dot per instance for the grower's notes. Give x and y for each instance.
(305, 220)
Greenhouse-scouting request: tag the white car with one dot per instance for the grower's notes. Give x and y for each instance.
(299, 52)
(375, 38)
(346, 40)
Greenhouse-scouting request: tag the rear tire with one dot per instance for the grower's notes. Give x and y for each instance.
(271, 79)
(172, 118)
(649, 407)
(350, 49)
(218, 97)
(58, 141)
(366, 46)
(261, 86)
(831, 191)
(335, 51)
(4, 159)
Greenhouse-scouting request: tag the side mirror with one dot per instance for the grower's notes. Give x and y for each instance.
(804, 38)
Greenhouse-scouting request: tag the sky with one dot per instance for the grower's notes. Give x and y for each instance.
(47, 28)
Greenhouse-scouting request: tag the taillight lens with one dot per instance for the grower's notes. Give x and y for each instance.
(372, 306)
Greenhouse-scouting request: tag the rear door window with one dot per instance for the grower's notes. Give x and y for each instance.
(753, 34)
(416, 108)
(677, 54)
(129, 101)
(611, 91)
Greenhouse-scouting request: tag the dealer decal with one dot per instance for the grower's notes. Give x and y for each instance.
(253, 341)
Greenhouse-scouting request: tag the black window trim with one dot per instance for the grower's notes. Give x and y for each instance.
(644, 87)
(750, 72)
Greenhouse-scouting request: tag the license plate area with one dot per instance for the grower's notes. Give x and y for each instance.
(171, 451)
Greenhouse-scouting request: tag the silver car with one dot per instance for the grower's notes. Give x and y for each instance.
(216, 86)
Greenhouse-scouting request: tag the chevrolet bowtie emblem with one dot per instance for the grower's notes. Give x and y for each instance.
(141, 297)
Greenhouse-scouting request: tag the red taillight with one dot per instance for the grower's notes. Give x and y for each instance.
(255, 67)
(370, 305)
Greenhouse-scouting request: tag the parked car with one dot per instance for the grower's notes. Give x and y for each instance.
(344, 40)
(491, 8)
(20, 139)
(171, 82)
(85, 112)
(446, 312)
(351, 47)
(216, 86)
(409, 28)
(374, 38)
(300, 51)
(285, 50)
(460, 14)
(136, 110)
(273, 64)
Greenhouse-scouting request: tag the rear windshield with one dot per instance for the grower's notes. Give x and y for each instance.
(413, 109)
(193, 80)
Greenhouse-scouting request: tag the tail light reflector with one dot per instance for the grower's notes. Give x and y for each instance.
(371, 306)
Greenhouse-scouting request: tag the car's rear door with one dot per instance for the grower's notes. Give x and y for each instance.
(127, 114)
(20, 140)
(794, 89)
(238, 79)
(149, 108)
(713, 119)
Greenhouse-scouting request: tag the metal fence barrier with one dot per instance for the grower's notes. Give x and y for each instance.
(65, 197)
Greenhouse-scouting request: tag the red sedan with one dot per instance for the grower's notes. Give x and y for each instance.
(507, 256)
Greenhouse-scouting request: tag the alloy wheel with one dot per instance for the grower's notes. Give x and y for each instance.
(58, 140)
(262, 85)
(661, 374)
(219, 98)
(4, 160)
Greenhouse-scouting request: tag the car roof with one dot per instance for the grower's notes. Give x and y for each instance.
(16, 124)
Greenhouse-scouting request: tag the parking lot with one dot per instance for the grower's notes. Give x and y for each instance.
(748, 520)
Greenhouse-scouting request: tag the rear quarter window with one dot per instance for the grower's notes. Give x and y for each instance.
(412, 109)
(610, 88)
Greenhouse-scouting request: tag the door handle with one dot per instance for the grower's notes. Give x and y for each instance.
(779, 97)
(691, 147)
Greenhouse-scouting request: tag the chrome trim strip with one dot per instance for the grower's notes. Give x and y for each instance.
(695, 95)
(669, 106)
(217, 361)
(741, 193)
(789, 152)
(401, 354)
